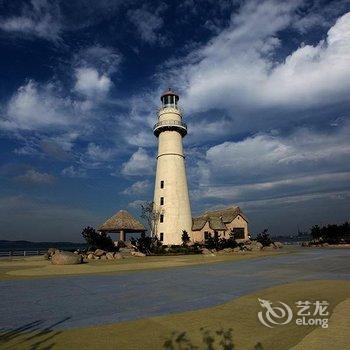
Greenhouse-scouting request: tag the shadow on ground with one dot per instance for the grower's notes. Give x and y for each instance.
(210, 340)
(31, 336)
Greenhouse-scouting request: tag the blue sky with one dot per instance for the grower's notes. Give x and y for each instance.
(264, 86)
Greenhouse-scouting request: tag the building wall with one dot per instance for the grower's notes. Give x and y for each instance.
(238, 222)
(198, 236)
(171, 169)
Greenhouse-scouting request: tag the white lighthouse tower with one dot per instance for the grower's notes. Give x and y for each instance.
(171, 199)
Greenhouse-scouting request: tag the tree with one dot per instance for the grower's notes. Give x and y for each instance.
(185, 238)
(150, 214)
(315, 232)
(147, 245)
(210, 242)
(332, 233)
(264, 238)
(97, 240)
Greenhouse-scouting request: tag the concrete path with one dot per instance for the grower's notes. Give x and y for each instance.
(67, 302)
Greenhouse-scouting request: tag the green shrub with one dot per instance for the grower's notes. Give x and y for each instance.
(97, 240)
(148, 245)
(185, 238)
(180, 249)
(264, 238)
(332, 234)
(220, 243)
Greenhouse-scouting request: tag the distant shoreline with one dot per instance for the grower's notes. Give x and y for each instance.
(6, 245)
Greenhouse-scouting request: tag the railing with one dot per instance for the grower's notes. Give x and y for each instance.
(170, 124)
(15, 253)
(170, 108)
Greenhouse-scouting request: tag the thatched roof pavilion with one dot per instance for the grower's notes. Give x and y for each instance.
(122, 222)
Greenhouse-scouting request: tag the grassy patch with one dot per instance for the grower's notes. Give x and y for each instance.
(32, 267)
(239, 314)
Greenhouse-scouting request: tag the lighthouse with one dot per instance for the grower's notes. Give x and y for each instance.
(171, 199)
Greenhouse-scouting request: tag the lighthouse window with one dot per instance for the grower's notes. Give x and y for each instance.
(161, 200)
(168, 101)
(161, 218)
(161, 236)
(162, 184)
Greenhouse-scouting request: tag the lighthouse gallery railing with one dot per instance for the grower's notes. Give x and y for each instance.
(169, 124)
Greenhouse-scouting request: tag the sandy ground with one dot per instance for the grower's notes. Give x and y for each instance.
(188, 328)
(145, 309)
(33, 267)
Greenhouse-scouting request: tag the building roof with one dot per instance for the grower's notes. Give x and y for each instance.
(198, 223)
(217, 218)
(122, 220)
(169, 92)
(216, 223)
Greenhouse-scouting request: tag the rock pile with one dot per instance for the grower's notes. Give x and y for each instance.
(100, 254)
(315, 245)
(138, 254)
(272, 246)
(243, 247)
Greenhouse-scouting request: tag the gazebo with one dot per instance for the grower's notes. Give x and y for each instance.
(122, 222)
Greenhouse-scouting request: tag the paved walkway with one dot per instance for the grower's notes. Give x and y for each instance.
(67, 302)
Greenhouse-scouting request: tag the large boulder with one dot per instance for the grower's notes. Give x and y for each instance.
(99, 252)
(278, 245)
(90, 256)
(269, 247)
(126, 251)
(206, 251)
(227, 250)
(109, 256)
(256, 246)
(66, 258)
(129, 245)
(118, 256)
(139, 254)
(50, 253)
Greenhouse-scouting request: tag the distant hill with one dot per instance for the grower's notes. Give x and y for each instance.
(44, 242)
(6, 245)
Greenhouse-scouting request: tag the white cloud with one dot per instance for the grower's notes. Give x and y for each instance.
(104, 59)
(143, 138)
(26, 149)
(33, 177)
(137, 204)
(92, 84)
(265, 166)
(139, 187)
(74, 172)
(237, 69)
(35, 107)
(94, 66)
(96, 153)
(139, 164)
(40, 18)
(148, 23)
